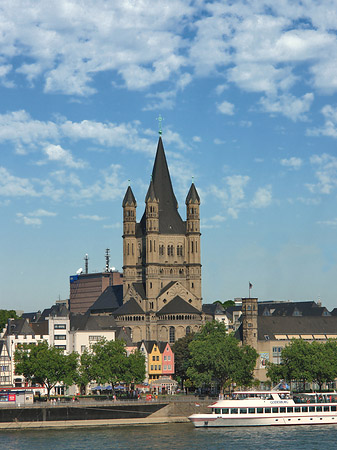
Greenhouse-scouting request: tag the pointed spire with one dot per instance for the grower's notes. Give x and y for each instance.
(169, 218)
(192, 196)
(151, 195)
(129, 198)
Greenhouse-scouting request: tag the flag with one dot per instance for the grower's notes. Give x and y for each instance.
(250, 285)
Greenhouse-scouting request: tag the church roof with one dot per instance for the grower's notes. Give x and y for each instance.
(140, 289)
(192, 196)
(151, 195)
(84, 322)
(178, 306)
(110, 300)
(129, 198)
(167, 287)
(170, 221)
(130, 307)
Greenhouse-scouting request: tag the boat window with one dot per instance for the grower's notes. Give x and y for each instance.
(251, 410)
(275, 410)
(297, 409)
(326, 408)
(259, 410)
(282, 409)
(243, 410)
(225, 410)
(267, 410)
(234, 410)
(217, 410)
(318, 409)
(311, 409)
(333, 408)
(290, 409)
(304, 409)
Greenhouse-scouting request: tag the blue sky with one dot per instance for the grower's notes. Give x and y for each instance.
(247, 90)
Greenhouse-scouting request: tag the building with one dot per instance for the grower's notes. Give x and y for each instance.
(159, 360)
(270, 326)
(161, 262)
(85, 288)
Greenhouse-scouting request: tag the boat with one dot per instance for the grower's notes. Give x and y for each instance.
(264, 408)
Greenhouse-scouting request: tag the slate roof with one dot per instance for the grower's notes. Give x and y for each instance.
(192, 196)
(124, 334)
(178, 306)
(170, 221)
(84, 322)
(57, 310)
(213, 308)
(110, 300)
(129, 198)
(19, 326)
(151, 195)
(147, 344)
(165, 288)
(140, 289)
(306, 308)
(130, 307)
(40, 328)
(290, 325)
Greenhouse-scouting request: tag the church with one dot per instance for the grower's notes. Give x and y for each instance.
(161, 262)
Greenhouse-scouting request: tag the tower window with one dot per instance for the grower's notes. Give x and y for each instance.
(172, 335)
(192, 247)
(170, 250)
(161, 250)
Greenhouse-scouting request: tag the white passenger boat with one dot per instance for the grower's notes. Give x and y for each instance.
(258, 408)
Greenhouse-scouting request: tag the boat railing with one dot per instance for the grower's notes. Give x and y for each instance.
(315, 398)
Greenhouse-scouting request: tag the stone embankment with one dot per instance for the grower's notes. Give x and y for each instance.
(87, 414)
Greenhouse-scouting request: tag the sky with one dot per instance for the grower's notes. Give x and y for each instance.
(247, 90)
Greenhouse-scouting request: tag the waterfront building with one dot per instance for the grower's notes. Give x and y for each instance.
(159, 360)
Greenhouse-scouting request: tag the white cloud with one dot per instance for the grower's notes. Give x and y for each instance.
(226, 108)
(93, 217)
(12, 186)
(196, 139)
(329, 223)
(34, 218)
(326, 173)
(288, 105)
(293, 162)
(262, 197)
(58, 154)
(330, 126)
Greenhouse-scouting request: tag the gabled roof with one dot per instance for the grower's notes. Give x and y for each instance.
(213, 308)
(162, 346)
(148, 345)
(167, 287)
(110, 300)
(151, 195)
(140, 289)
(84, 322)
(192, 196)
(305, 308)
(40, 328)
(130, 307)
(19, 327)
(295, 325)
(129, 198)
(170, 221)
(178, 306)
(124, 334)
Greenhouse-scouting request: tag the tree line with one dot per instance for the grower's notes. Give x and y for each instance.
(105, 362)
(306, 362)
(214, 356)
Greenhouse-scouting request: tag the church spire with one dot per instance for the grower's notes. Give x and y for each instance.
(170, 221)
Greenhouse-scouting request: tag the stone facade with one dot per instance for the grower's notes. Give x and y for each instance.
(161, 261)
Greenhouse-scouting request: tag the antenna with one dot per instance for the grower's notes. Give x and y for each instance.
(107, 259)
(86, 259)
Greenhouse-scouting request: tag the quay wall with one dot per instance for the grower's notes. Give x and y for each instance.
(119, 413)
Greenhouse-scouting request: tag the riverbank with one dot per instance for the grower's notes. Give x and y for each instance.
(104, 415)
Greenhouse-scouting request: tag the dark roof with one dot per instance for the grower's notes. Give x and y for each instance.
(19, 326)
(165, 288)
(170, 221)
(306, 308)
(213, 308)
(124, 334)
(178, 306)
(110, 300)
(129, 198)
(57, 310)
(192, 196)
(151, 195)
(150, 344)
(140, 289)
(130, 307)
(295, 325)
(40, 328)
(85, 322)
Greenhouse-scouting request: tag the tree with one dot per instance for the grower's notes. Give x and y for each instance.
(135, 368)
(6, 314)
(182, 357)
(84, 374)
(217, 356)
(45, 365)
(109, 361)
(324, 362)
(225, 304)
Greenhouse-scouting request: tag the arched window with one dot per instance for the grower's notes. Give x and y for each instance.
(188, 330)
(172, 335)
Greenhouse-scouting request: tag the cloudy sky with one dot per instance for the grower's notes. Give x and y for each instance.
(247, 90)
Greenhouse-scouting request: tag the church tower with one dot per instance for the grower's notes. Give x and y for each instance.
(161, 260)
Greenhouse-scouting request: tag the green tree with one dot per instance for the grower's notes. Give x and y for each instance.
(135, 368)
(6, 314)
(45, 365)
(84, 374)
(225, 304)
(324, 362)
(218, 356)
(109, 361)
(182, 357)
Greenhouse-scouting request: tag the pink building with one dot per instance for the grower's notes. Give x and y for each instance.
(167, 359)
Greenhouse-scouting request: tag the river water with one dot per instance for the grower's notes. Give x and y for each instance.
(174, 436)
